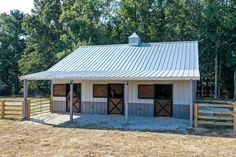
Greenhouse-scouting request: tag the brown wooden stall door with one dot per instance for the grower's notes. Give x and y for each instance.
(163, 100)
(115, 106)
(76, 98)
(76, 104)
(163, 108)
(115, 98)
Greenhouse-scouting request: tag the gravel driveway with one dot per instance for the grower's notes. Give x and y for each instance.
(113, 122)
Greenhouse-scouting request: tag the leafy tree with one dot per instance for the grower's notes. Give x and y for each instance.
(57, 27)
(230, 22)
(43, 38)
(86, 22)
(12, 44)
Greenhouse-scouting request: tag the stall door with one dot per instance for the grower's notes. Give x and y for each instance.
(163, 103)
(115, 99)
(76, 98)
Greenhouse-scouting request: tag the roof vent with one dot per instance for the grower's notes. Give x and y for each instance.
(134, 39)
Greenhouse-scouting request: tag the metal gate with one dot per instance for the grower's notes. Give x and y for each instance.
(115, 99)
(163, 103)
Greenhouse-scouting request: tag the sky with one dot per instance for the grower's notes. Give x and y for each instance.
(22, 5)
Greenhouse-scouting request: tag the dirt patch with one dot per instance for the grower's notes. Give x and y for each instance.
(24, 139)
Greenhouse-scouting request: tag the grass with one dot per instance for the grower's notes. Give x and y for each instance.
(25, 139)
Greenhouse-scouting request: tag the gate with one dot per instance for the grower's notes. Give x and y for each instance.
(215, 114)
(115, 99)
(163, 100)
(76, 98)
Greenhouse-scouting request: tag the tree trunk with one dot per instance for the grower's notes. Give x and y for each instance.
(207, 88)
(234, 84)
(216, 74)
(201, 92)
(219, 77)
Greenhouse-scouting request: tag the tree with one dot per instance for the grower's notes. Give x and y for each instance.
(134, 16)
(86, 22)
(231, 44)
(12, 44)
(43, 39)
(57, 27)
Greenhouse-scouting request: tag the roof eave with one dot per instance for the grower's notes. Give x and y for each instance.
(110, 78)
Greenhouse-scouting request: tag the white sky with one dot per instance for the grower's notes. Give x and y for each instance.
(22, 5)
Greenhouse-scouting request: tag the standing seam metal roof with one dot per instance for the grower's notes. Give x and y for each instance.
(164, 60)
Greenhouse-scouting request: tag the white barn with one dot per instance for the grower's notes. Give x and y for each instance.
(134, 79)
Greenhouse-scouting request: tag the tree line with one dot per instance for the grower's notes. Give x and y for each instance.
(34, 42)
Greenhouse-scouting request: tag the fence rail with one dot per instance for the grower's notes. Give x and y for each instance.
(40, 105)
(13, 108)
(215, 114)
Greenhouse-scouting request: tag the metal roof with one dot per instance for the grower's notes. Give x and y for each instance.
(152, 61)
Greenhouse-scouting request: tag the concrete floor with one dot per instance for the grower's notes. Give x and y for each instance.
(113, 122)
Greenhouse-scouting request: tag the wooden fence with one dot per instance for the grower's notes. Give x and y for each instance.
(39, 106)
(215, 114)
(13, 108)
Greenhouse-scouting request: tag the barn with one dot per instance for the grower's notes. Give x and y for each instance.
(134, 79)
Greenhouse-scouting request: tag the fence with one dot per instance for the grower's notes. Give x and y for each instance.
(39, 106)
(13, 108)
(215, 114)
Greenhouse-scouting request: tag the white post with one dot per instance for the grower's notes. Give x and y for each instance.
(25, 107)
(126, 91)
(51, 88)
(71, 101)
(191, 103)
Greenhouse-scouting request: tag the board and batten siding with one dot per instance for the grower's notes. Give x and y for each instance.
(137, 107)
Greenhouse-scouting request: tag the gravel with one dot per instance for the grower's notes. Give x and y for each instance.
(113, 122)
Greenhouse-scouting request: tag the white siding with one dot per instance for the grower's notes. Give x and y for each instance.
(59, 98)
(181, 91)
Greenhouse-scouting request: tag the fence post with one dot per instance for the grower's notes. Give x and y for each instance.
(234, 121)
(29, 109)
(51, 104)
(3, 109)
(195, 115)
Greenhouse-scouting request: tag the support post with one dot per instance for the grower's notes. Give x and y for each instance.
(195, 115)
(25, 106)
(71, 101)
(126, 91)
(191, 104)
(51, 89)
(234, 121)
(29, 108)
(51, 98)
(3, 109)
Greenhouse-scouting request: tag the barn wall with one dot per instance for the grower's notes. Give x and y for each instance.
(59, 104)
(94, 108)
(137, 107)
(141, 109)
(181, 99)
